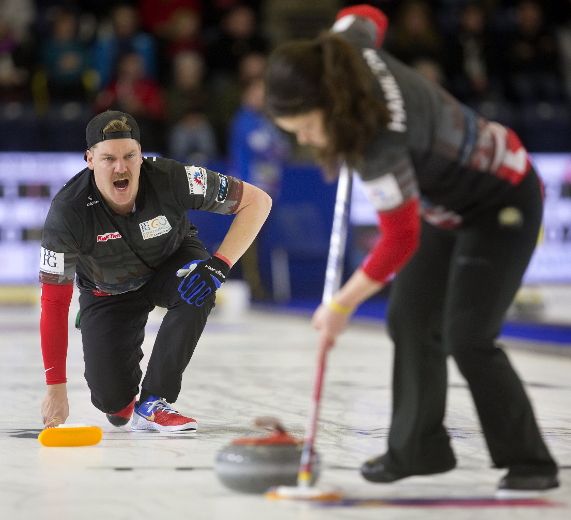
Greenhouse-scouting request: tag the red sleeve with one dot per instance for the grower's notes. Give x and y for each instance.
(400, 235)
(371, 13)
(53, 330)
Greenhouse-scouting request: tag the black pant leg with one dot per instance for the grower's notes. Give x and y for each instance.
(113, 330)
(488, 265)
(418, 440)
(180, 329)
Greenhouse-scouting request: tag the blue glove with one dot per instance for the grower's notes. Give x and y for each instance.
(201, 278)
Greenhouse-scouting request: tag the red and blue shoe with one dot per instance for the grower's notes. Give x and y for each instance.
(157, 415)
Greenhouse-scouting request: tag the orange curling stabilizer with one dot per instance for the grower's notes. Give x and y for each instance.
(72, 435)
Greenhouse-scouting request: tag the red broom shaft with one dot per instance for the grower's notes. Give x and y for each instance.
(333, 274)
(305, 473)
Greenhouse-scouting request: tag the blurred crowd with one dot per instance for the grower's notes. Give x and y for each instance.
(188, 69)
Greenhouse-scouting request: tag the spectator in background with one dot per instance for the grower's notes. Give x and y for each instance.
(191, 136)
(157, 15)
(414, 36)
(18, 15)
(16, 49)
(532, 61)
(123, 36)
(472, 67)
(186, 88)
(214, 10)
(228, 93)
(176, 28)
(252, 65)
(132, 91)
(65, 59)
(183, 33)
(238, 36)
(258, 151)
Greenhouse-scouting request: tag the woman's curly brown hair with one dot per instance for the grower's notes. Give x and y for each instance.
(328, 74)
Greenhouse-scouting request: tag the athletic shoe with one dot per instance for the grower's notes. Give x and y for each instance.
(157, 415)
(517, 484)
(122, 417)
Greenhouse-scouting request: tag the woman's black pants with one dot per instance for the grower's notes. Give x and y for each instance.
(451, 299)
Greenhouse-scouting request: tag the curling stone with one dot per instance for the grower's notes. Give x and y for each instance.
(255, 464)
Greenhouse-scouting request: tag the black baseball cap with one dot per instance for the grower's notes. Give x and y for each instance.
(94, 130)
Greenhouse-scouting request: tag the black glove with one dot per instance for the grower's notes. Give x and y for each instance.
(201, 278)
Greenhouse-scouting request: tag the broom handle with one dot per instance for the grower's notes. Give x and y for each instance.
(338, 240)
(333, 274)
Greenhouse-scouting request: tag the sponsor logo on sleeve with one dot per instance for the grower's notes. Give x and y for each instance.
(114, 235)
(196, 180)
(223, 188)
(155, 227)
(384, 192)
(51, 262)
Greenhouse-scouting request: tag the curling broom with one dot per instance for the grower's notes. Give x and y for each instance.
(304, 489)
